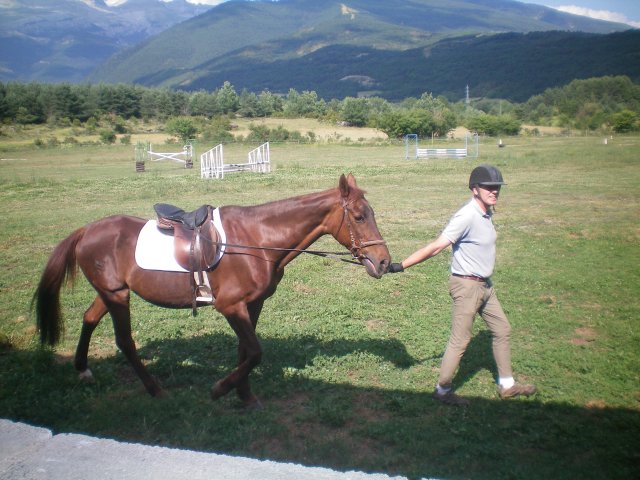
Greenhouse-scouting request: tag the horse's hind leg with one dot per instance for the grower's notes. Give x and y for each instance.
(90, 321)
(118, 305)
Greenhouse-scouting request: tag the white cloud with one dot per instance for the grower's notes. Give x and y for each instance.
(597, 14)
(207, 2)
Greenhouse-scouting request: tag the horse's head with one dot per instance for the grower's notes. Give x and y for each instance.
(358, 230)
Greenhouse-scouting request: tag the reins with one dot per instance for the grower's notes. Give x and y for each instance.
(319, 253)
(354, 251)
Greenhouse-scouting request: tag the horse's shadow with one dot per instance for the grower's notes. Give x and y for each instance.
(328, 421)
(215, 355)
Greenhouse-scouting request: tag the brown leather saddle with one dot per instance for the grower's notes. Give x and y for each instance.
(196, 244)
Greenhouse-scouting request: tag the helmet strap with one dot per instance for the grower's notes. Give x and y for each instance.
(490, 209)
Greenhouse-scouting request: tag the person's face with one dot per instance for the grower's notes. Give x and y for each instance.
(488, 194)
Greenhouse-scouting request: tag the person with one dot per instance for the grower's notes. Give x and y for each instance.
(471, 233)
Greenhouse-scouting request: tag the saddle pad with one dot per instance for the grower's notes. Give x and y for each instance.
(155, 251)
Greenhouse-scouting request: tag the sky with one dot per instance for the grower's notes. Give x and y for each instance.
(623, 11)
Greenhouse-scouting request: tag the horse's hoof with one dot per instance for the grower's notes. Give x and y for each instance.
(160, 393)
(217, 391)
(254, 405)
(86, 376)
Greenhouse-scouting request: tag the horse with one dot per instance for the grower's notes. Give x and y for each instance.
(261, 241)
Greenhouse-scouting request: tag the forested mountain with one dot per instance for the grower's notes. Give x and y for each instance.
(512, 66)
(65, 40)
(244, 41)
(337, 48)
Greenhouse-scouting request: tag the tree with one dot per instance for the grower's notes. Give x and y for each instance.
(268, 104)
(107, 136)
(625, 121)
(493, 125)
(202, 103)
(305, 104)
(227, 98)
(218, 130)
(182, 127)
(4, 108)
(355, 111)
(248, 105)
(67, 103)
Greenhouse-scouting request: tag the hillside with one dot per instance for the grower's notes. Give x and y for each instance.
(512, 66)
(373, 45)
(65, 40)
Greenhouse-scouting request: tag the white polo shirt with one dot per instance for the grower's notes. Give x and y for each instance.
(473, 236)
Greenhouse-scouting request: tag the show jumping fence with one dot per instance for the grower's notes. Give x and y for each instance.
(145, 153)
(440, 152)
(212, 162)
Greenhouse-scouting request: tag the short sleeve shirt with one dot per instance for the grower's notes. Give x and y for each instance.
(473, 236)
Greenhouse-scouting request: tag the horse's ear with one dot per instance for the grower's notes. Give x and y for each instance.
(346, 184)
(351, 180)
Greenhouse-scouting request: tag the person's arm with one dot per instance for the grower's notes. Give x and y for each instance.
(428, 251)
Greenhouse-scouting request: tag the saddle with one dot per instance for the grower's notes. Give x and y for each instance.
(195, 244)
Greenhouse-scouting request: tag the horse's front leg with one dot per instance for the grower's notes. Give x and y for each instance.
(243, 389)
(243, 321)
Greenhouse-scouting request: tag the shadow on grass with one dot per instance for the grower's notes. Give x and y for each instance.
(318, 422)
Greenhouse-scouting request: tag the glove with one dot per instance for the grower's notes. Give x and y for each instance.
(395, 268)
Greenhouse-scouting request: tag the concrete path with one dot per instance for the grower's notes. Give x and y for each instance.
(33, 453)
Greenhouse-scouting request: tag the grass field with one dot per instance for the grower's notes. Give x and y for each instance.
(350, 362)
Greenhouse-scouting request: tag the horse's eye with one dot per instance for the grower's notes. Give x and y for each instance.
(359, 218)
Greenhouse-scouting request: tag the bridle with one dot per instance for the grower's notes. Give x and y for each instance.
(356, 244)
(355, 250)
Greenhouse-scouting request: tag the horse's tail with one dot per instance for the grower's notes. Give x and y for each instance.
(60, 268)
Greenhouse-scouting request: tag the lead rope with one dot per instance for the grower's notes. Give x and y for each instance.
(354, 251)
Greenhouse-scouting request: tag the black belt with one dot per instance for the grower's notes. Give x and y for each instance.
(471, 277)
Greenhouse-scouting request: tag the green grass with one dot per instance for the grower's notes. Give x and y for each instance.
(350, 362)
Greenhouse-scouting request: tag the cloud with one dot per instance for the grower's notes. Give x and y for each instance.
(207, 2)
(597, 14)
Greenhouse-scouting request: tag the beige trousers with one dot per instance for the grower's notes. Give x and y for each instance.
(469, 298)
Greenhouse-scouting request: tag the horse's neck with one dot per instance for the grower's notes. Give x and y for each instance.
(293, 223)
(298, 221)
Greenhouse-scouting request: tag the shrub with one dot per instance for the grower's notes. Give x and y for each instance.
(107, 136)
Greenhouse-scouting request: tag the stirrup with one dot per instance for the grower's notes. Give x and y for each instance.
(204, 294)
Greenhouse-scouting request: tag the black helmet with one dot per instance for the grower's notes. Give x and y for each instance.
(485, 175)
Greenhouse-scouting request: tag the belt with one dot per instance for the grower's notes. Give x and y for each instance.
(471, 277)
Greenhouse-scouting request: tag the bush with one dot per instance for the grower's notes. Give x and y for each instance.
(218, 130)
(625, 121)
(107, 136)
(182, 127)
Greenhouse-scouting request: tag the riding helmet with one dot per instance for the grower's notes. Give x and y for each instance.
(485, 175)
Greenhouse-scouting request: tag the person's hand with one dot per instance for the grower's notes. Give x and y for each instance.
(395, 268)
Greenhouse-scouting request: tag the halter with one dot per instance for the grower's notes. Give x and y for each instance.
(356, 244)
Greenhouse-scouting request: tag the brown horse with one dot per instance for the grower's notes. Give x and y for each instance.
(241, 282)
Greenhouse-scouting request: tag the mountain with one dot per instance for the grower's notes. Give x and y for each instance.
(512, 66)
(284, 44)
(65, 40)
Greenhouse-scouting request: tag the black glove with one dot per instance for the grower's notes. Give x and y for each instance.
(395, 268)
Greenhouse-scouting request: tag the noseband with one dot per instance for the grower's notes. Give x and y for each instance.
(356, 243)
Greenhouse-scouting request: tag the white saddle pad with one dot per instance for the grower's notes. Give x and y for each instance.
(155, 251)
